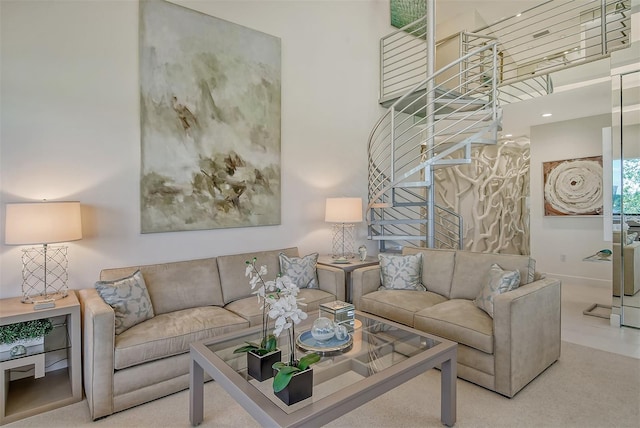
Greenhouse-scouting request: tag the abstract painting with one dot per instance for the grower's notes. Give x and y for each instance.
(573, 187)
(210, 122)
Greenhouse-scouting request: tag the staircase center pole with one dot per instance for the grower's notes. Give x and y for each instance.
(430, 122)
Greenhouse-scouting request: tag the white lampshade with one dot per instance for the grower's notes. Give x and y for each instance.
(343, 210)
(42, 223)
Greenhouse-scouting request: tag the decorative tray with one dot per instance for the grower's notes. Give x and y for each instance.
(306, 342)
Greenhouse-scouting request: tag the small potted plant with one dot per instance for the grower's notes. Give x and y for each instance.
(293, 381)
(261, 356)
(17, 337)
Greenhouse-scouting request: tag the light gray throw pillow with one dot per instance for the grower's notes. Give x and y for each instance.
(129, 299)
(399, 272)
(499, 281)
(301, 270)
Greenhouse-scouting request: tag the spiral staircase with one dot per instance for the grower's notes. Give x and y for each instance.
(434, 118)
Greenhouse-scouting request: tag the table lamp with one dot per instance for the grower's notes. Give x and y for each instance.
(44, 269)
(343, 212)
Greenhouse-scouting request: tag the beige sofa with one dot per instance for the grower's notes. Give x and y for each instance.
(503, 353)
(192, 300)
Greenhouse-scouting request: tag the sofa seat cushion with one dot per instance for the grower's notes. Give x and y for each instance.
(249, 308)
(171, 333)
(398, 305)
(459, 320)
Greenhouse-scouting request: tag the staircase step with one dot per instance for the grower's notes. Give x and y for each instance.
(397, 237)
(382, 205)
(448, 162)
(398, 222)
(484, 115)
(486, 140)
(414, 184)
(451, 99)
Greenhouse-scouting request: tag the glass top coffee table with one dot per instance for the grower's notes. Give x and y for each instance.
(383, 356)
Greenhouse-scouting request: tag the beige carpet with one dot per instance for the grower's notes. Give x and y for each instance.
(585, 388)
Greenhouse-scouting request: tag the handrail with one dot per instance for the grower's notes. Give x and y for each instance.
(433, 118)
(398, 146)
(566, 30)
(440, 72)
(569, 30)
(517, 15)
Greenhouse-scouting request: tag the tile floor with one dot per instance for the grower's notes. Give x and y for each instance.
(593, 331)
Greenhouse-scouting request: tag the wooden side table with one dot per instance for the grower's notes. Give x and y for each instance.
(348, 268)
(59, 387)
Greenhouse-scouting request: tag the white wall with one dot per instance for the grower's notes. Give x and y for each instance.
(70, 123)
(574, 237)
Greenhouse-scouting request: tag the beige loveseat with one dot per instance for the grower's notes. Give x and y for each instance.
(503, 353)
(192, 300)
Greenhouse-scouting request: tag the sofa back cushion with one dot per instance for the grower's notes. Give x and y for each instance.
(472, 270)
(177, 285)
(437, 268)
(235, 285)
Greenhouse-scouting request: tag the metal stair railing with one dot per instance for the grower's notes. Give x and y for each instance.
(541, 40)
(427, 127)
(558, 34)
(402, 147)
(403, 59)
(406, 222)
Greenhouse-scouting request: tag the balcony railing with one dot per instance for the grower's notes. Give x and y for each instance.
(551, 36)
(559, 34)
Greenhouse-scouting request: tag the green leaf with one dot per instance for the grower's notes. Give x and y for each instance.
(283, 377)
(250, 346)
(278, 365)
(25, 330)
(307, 360)
(271, 343)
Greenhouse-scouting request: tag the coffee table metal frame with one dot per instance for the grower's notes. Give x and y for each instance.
(326, 409)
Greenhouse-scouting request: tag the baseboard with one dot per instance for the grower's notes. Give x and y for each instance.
(592, 282)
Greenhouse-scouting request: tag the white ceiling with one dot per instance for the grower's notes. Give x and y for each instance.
(489, 10)
(587, 101)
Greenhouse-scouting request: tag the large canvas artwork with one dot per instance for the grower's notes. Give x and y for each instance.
(573, 187)
(210, 122)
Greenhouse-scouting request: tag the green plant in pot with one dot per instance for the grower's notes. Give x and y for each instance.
(293, 381)
(18, 334)
(261, 356)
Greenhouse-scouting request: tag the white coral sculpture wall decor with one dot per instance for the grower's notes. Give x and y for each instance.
(491, 194)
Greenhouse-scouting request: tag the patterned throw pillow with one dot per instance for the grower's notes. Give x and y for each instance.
(129, 299)
(301, 270)
(401, 272)
(499, 281)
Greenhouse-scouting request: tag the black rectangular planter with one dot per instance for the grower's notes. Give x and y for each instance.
(300, 388)
(259, 367)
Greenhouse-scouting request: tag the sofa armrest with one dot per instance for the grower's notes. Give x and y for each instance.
(526, 323)
(98, 345)
(331, 280)
(364, 280)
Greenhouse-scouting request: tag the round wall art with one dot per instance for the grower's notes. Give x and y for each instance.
(573, 187)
